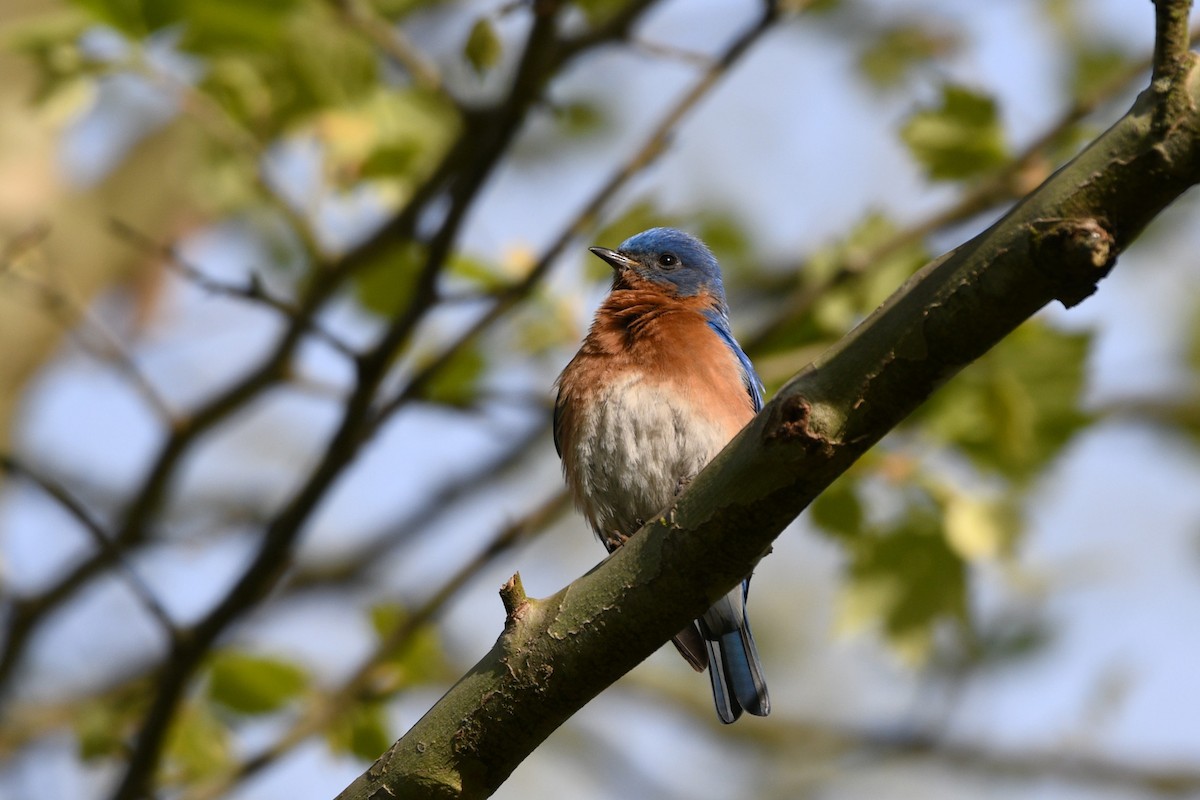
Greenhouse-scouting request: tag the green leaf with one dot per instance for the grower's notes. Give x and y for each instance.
(127, 16)
(420, 659)
(1017, 406)
(909, 579)
(222, 26)
(456, 383)
(898, 49)
(484, 47)
(979, 530)
(961, 138)
(1094, 66)
(102, 728)
(545, 323)
(198, 745)
(579, 117)
(253, 684)
(361, 730)
(837, 510)
(726, 237)
(600, 11)
(385, 285)
(480, 274)
(389, 160)
(856, 277)
(281, 64)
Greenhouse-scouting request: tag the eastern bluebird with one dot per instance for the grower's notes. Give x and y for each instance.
(658, 387)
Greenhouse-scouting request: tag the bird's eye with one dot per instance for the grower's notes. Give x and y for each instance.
(668, 261)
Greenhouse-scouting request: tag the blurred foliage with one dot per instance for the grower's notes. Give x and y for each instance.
(418, 660)
(1094, 66)
(958, 139)
(851, 277)
(896, 51)
(1014, 409)
(362, 731)
(483, 48)
(251, 684)
(457, 382)
(103, 724)
(909, 549)
(199, 744)
(384, 286)
(909, 519)
(907, 579)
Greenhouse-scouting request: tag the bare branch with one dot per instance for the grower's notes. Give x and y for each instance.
(253, 291)
(390, 40)
(364, 683)
(78, 320)
(99, 536)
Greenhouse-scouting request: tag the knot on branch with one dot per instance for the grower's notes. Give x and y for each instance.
(1074, 254)
(791, 423)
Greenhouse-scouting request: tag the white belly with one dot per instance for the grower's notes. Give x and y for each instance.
(633, 451)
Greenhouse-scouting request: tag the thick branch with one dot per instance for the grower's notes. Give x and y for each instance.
(556, 654)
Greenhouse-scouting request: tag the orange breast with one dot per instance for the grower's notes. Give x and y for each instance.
(652, 396)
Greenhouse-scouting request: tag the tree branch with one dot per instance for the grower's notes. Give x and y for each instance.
(99, 536)
(1170, 38)
(555, 654)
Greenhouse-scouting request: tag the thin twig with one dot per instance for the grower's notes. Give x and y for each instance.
(380, 544)
(75, 318)
(363, 684)
(391, 40)
(253, 291)
(99, 536)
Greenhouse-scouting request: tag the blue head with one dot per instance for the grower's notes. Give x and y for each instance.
(676, 261)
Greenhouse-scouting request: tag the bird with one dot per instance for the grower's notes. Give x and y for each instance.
(659, 386)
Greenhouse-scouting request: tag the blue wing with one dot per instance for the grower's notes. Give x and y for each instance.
(720, 324)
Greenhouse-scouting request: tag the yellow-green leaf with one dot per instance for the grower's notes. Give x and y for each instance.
(1094, 66)
(418, 660)
(837, 510)
(484, 48)
(897, 49)
(1014, 408)
(361, 730)
(600, 11)
(906, 579)
(456, 383)
(978, 530)
(102, 730)
(961, 138)
(198, 744)
(253, 684)
(385, 285)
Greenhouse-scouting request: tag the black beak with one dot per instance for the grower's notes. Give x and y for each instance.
(615, 260)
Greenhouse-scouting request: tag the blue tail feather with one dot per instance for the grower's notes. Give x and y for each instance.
(734, 667)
